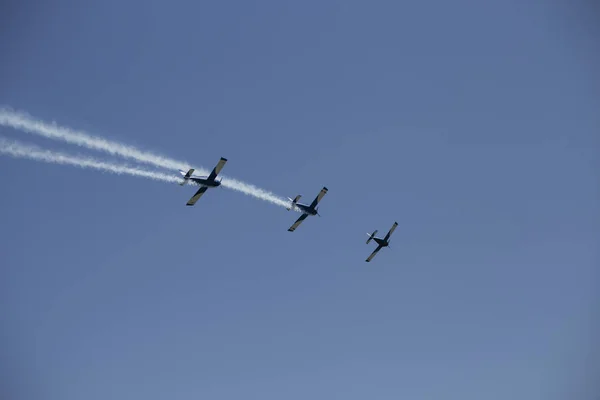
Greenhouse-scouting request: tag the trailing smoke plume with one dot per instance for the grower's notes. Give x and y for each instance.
(20, 150)
(25, 123)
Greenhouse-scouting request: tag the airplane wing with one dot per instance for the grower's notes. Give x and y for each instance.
(319, 197)
(298, 222)
(196, 196)
(217, 169)
(391, 231)
(373, 253)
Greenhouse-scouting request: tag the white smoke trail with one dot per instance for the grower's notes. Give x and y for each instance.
(20, 150)
(26, 123)
(254, 191)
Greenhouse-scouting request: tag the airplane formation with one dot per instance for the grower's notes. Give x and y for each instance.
(312, 209)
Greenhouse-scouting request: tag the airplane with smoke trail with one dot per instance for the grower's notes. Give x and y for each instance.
(306, 209)
(205, 182)
(23, 122)
(381, 243)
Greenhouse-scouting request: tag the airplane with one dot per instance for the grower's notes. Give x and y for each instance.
(205, 182)
(381, 243)
(306, 210)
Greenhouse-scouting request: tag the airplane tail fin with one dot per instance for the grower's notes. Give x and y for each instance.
(371, 236)
(294, 201)
(186, 175)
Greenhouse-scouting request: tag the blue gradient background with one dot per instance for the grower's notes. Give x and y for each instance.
(473, 125)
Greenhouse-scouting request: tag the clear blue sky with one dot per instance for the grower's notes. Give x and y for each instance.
(473, 125)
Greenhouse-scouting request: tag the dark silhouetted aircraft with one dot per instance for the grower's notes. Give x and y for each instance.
(381, 243)
(306, 210)
(205, 182)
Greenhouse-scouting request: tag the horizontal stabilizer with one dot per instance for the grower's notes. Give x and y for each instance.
(186, 175)
(371, 236)
(294, 201)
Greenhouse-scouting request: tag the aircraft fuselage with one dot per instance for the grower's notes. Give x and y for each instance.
(381, 242)
(306, 209)
(206, 182)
